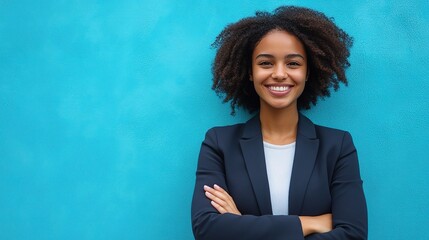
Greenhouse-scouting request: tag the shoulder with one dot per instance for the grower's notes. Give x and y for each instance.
(227, 131)
(224, 138)
(334, 141)
(311, 130)
(327, 136)
(336, 138)
(324, 131)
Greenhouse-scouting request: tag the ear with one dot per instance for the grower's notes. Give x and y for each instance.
(308, 74)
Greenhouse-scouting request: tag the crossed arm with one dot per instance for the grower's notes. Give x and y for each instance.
(224, 203)
(216, 216)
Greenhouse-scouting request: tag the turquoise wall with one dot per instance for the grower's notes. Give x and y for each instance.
(103, 106)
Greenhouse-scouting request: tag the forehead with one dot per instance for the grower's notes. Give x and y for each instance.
(279, 42)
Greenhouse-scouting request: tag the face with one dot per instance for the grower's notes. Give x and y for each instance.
(279, 70)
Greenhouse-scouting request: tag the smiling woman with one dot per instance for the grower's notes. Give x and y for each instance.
(279, 70)
(279, 176)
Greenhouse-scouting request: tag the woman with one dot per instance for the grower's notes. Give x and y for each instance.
(279, 176)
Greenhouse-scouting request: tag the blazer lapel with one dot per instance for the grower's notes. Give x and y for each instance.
(253, 152)
(305, 157)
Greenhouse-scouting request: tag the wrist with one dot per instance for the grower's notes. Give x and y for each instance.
(307, 225)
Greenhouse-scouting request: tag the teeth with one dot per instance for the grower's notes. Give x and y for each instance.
(279, 88)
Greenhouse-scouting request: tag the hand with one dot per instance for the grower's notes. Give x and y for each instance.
(221, 200)
(316, 224)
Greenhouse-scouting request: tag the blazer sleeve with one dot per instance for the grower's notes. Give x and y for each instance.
(208, 224)
(349, 210)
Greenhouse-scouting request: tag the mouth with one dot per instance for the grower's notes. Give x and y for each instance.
(282, 88)
(279, 90)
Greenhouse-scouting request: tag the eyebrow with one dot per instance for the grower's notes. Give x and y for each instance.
(292, 55)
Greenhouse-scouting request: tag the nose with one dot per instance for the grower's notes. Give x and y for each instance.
(279, 72)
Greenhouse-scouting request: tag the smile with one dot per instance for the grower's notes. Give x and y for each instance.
(279, 88)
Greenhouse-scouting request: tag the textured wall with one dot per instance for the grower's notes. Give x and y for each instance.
(103, 106)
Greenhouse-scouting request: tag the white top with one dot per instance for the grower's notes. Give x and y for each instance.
(279, 162)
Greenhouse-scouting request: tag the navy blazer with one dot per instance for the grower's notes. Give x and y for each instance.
(325, 179)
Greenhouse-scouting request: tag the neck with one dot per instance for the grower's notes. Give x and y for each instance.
(279, 126)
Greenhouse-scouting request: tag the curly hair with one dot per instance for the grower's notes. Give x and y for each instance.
(326, 45)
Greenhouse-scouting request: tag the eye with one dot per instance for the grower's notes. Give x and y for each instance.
(294, 64)
(265, 64)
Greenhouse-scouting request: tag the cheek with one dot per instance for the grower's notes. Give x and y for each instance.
(300, 76)
(256, 86)
(260, 75)
(256, 83)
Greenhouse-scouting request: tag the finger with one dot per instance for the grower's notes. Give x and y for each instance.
(224, 196)
(221, 190)
(219, 201)
(217, 187)
(222, 204)
(210, 189)
(225, 206)
(219, 208)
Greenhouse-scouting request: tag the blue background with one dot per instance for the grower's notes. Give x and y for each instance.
(103, 107)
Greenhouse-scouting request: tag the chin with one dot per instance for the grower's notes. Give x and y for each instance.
(280, 106)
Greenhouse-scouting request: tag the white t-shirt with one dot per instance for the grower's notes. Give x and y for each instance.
(279, 162)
